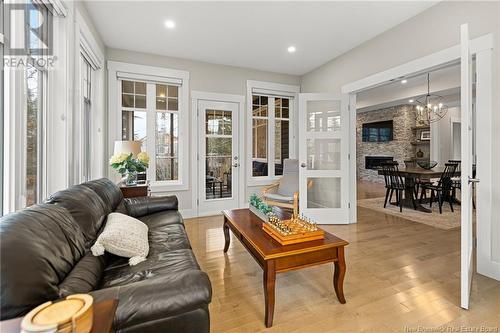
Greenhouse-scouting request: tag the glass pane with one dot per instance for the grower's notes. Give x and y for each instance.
(323, 154)
(259, 148)
(259, 106)
(161, 103)
(140, 101)
(173, 91)
(281, 145)
(134, 126)
(173, 104)
(127, 101)
(323, 192)
(167, 142)
(285, 113)
(217, 146)
(166, 168)
(128, 87)
(323, 116)
(161, 90)
(218, 177)
(140, 88)
(32, 131)
(218, 122)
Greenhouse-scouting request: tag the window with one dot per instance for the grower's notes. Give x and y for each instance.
(270, 123)
(152, 109)
(262, 114)
(36, 86)
(167, 132)
(86, 75)
(133, 102)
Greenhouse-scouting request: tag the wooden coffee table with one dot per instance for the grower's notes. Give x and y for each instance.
(276, 258)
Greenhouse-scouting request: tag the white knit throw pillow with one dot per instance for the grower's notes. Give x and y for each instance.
(124, 236)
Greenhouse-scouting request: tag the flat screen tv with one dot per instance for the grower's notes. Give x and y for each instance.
(380, 131)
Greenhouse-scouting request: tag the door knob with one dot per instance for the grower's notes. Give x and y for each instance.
(302, 165)
(473, 180)
(235, 165)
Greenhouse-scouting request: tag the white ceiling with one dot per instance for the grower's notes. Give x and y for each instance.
(444, 82)
(249, 34)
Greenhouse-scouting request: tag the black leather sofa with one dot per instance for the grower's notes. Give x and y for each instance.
(45, 256)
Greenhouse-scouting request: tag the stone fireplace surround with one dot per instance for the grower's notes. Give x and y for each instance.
(399, 148)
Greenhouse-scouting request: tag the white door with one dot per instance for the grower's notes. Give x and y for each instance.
(323, 158)
(466, 168)
(218, 156)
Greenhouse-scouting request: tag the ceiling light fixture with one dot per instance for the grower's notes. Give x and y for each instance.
(430, 107)
(169, 24)
(291, 49)
(411, 101)
(404, 81)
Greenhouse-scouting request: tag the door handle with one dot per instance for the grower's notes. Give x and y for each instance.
(473, 180)
(235, 165)
(302, 165)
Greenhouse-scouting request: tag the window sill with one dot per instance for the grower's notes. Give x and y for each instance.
(262, 181)
(159, 187)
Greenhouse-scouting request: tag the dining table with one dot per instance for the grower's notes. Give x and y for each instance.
(411, 174)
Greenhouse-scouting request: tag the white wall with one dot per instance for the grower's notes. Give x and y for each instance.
(204, 77)
(434, 29)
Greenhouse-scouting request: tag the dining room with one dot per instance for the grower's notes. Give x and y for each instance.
(408, 148)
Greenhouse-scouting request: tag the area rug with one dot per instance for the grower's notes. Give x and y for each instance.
(447, 221)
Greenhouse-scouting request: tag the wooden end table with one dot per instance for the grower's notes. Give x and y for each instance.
(276, 258)
(139, 190)
(104, 315)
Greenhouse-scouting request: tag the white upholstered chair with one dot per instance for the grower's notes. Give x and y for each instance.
(285, 192)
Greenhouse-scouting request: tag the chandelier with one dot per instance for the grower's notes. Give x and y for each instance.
(430, 107)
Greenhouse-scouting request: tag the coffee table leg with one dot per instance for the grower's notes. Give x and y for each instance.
(338, 275)
(227, 239)
(269, 282)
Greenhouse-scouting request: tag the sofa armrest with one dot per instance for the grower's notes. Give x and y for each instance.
(141, 206)
(152, 300)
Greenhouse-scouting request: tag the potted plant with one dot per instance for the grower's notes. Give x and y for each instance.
(128, 166)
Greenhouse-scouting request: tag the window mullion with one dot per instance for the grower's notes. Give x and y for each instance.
(151, 129)
(272, 139)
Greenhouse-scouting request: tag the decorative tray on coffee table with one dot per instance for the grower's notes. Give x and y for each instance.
(292, 231)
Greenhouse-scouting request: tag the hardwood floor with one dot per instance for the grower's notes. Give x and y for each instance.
(400, 276)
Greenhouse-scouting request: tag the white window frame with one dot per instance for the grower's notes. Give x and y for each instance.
(159, 75)
(87, 46)
(271, 90)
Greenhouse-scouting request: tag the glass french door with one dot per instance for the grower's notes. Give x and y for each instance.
(218, 158)
(323, 158)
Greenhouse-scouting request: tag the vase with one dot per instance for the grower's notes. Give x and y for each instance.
(131, 178)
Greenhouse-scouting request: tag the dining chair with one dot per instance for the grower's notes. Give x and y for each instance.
(443, 188)
(395, 183)
(457, 180)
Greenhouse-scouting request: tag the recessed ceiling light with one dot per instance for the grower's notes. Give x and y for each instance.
(169, 24)
(291, 49)
(404, 81)
(411, 101)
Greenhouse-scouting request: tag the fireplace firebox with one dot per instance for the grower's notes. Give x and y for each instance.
(375, 162)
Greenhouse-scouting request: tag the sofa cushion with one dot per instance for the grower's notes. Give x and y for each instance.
(88, 209)
(39, 247)
(84, 277)
(161, 219)
(166, 254)
(108, 191)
